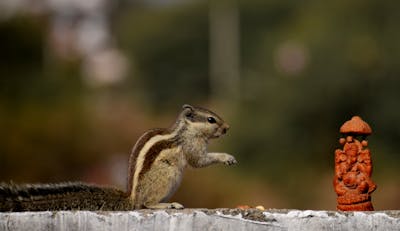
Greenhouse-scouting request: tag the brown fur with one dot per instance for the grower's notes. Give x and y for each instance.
(153, 152)
(135, 152)
(62, 196)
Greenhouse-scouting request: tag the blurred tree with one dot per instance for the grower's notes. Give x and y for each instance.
(169, 49)
(40, 111)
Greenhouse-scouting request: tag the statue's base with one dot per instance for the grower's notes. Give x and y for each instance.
(355, 202)
(201, 219)
(363, 206)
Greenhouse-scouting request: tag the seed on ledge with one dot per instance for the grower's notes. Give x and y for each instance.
(260, 207)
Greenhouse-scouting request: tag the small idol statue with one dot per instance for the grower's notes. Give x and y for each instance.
(353, 168)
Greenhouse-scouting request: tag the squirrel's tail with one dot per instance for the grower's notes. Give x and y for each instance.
(61, 196)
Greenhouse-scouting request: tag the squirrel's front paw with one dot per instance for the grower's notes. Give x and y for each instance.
(229, 160)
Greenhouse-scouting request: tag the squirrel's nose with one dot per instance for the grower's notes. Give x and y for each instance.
(225, 129)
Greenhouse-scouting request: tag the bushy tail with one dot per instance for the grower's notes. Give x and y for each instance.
(62, 196)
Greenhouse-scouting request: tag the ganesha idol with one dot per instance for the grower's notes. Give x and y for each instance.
(353, 168)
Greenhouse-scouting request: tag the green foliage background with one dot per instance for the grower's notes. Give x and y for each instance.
(284, 126)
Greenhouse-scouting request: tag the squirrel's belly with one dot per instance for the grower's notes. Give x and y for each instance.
(172, 165)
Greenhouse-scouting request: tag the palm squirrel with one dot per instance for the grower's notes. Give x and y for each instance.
(156, 166)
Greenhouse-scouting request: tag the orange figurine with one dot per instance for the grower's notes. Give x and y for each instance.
(353, 168)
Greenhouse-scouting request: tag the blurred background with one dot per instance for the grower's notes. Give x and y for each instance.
(81, 80)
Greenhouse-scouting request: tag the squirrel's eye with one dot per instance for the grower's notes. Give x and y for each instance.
(211, 120)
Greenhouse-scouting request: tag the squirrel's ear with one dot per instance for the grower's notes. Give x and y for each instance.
(188, 110)
(187, 106)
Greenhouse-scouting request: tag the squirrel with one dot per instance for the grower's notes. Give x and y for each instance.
(156, 166)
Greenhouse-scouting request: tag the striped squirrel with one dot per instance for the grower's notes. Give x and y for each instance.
(156, 165)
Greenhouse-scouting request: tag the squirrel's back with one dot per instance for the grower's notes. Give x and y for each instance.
(61, 196)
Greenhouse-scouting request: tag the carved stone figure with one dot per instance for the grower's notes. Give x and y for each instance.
(353, 168)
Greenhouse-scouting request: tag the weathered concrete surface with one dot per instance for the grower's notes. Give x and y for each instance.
(201, 219)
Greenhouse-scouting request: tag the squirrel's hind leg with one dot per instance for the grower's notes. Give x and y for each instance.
(173, 205)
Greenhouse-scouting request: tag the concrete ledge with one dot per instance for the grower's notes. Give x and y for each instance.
(201, 219)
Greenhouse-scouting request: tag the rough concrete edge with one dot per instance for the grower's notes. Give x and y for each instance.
(198, 219)
(245, 214)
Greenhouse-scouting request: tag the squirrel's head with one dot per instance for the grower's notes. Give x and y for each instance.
(203, 121)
